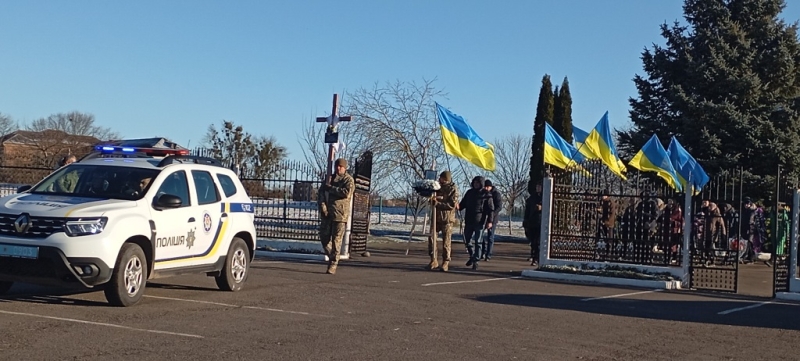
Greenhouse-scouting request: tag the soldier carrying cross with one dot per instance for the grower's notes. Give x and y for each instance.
(334, 194)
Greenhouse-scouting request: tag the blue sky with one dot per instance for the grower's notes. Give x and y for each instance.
(172, 68)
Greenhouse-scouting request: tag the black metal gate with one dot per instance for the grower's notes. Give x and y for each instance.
(359, 226)
(598, 216)
(717, 241)
(782, 233)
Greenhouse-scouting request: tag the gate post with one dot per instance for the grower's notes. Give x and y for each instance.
(686, 262)
(345, 250)
(793, 237)
(547, 215)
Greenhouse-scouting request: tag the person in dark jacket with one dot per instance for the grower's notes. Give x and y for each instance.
(533, 222)
(486, 249)
(478, 211)
(607, 211)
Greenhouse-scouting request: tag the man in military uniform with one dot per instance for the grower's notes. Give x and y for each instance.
(445, 201)
(335, 211)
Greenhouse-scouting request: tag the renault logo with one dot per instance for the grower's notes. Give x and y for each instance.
(22, 224)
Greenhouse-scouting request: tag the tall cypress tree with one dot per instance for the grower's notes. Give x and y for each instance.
(557, 110)
(544, 113)
(563, 112)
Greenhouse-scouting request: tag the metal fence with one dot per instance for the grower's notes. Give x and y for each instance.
(598, 216)
(12, 178)
(286, 202)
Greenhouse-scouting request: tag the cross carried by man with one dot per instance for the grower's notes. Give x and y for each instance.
(332, 132)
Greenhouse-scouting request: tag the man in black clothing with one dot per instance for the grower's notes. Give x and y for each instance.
(479, 209)
(498, 205)
(533, 222)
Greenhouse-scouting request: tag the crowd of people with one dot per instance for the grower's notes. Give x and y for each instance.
(641, 229)
(481, 205)
(645, 229)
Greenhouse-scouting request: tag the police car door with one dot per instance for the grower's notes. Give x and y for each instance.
(211, 230)
(175, 227)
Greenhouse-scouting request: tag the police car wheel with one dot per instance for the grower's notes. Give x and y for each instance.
(237, 265)
(128, 281)
(5, 286)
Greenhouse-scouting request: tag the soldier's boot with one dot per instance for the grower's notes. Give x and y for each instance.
(445, 266)
(432, 266)
(331, 268)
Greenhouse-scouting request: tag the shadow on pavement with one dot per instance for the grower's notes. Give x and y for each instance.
(402, 235)
(53, 296)
(455, 268)
(775, 316)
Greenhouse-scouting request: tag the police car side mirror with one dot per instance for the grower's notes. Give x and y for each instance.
(24, 188)
(168, 201)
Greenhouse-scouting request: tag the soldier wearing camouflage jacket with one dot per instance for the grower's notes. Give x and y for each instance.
(336, 195)
(446, 200)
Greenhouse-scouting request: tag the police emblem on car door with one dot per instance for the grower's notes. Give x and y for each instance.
(210, 230)
(176, 224)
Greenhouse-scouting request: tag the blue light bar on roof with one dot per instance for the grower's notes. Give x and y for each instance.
(148, 151)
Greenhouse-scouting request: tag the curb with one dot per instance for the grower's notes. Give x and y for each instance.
(788, 296)
(616, 281)
(291, 255)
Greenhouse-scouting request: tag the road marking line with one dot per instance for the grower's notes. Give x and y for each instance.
(469, 281)
(101, 324)
(744, 308)
(235, 306)
(620, 295)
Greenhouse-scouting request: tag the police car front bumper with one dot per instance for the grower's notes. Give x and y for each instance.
(46, 265)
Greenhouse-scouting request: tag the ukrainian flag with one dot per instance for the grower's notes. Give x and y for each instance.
(653, 158)
(687, 168)
(600, 143)
(462, 141)
(558, 152)
(580, 138)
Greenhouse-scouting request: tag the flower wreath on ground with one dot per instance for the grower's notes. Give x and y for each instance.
(426, 187)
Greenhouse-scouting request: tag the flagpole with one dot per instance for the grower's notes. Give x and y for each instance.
(571, 158)
(447, 159)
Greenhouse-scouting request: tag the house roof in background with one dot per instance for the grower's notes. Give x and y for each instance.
(34, 137)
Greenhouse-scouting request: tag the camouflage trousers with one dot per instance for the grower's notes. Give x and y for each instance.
(447, 231)
(331, 234)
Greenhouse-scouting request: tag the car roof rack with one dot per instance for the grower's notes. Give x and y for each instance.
(194, 159)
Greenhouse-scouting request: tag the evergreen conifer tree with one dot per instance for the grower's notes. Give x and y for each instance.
(727, 85)
(562, 121)
(544, 113)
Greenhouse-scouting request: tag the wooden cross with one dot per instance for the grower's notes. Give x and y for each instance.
(332, 133)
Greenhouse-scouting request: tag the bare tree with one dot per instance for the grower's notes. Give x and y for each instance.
(314, 149)
(255, 157)
(7, 125)
(513, 166)
(398, 122)
(356, 142)
(74, 123)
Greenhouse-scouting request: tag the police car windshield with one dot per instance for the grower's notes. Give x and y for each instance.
(98, 181)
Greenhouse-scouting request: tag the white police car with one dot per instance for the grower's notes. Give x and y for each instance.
(121, 216)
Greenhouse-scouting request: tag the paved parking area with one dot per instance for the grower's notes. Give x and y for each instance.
(387, 307)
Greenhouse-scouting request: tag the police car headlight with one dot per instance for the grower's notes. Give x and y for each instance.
(83, 227)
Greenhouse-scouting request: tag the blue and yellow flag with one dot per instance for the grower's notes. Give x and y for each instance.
(600, 143)
(558, 152)
(687, 168)
(580, 138)
(462, 141)
(653, 158)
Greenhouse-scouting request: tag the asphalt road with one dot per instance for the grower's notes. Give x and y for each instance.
(387, 307)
